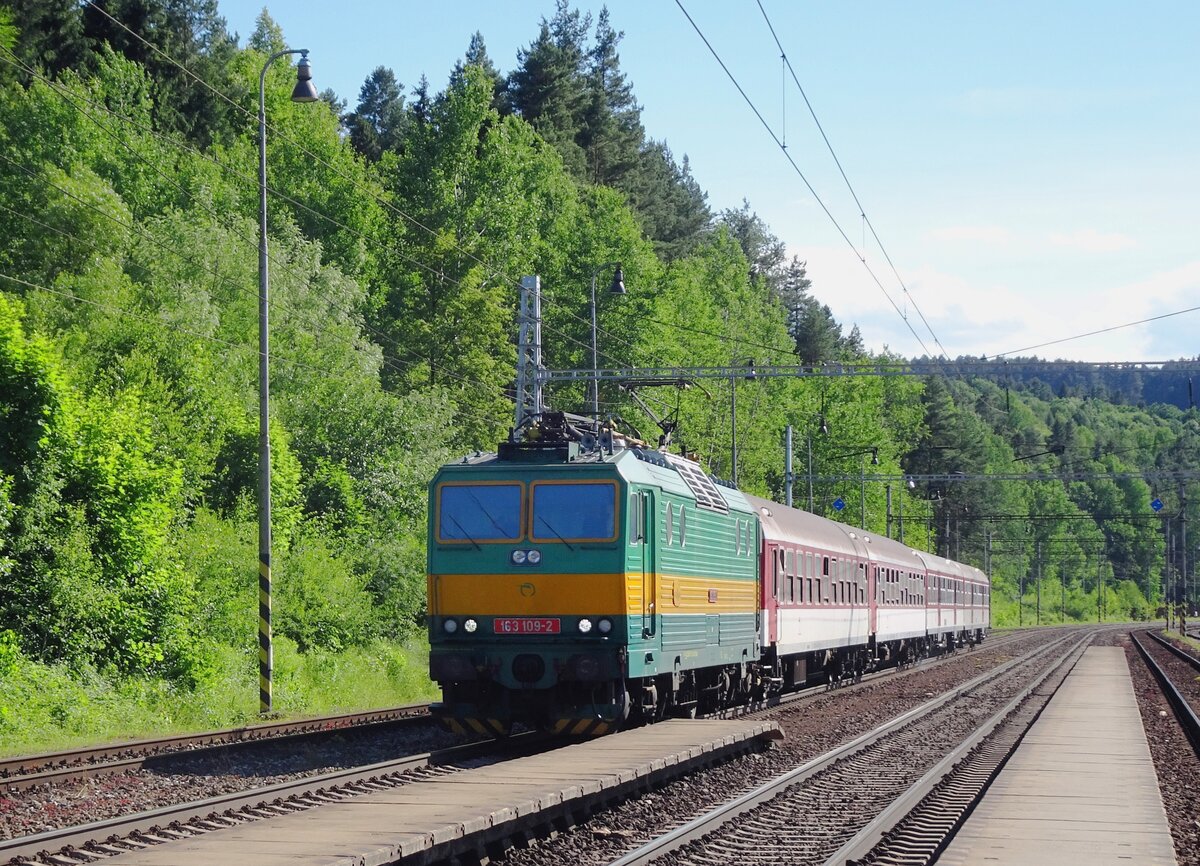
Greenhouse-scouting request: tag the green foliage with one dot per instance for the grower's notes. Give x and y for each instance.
(46, 707)
(323, 603)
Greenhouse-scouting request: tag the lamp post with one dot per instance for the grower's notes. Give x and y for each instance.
(823, 428)
(304, 91)
(616, 287)
(733, 453)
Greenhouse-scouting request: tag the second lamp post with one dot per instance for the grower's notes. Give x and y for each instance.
(616, 287)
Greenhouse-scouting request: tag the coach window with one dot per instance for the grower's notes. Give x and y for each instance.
(468, 513)
(777, 578)
(670, 522)
(791, 577)
(682, 526)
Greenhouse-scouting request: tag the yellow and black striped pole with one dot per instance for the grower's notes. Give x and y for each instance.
(266, 661)
(303, 92)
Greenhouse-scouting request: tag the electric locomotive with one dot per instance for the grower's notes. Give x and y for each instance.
(573, 585)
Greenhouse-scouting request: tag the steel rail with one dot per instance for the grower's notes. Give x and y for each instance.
(150, 824)
(28, 771)
(1183, 710)
(705, 824)
(813, 692)
(1182, 654)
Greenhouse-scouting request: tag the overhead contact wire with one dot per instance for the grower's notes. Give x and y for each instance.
(800, 174)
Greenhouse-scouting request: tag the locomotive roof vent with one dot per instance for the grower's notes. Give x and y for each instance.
(654, 457)
(706, 493)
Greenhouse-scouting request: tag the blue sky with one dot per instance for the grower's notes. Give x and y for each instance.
(1030, 167)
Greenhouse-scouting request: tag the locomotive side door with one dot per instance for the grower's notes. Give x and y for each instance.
(645, 518)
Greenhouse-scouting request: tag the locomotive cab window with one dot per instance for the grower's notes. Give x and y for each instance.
(470, 513)
(574, 511)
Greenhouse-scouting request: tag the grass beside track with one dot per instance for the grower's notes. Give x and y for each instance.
(51, 707)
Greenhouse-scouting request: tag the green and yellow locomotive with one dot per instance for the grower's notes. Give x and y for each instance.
(573, 587)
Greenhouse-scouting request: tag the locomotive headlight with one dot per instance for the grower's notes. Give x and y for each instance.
(450, 626)
(518, 557)
(605, 626)
(585, 625)
(534, 557)
(469, 626)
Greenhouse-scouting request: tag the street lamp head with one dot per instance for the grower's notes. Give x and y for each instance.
(305, 90)
(824, 428)
(617, 287)
(874, 456)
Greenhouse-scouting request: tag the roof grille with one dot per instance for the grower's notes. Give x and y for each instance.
(706, 493)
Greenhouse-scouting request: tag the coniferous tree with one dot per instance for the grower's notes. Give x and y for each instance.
(548, 89)
(185, 47)
(51, 35)
(764, 251)
(267, 37)
(611, 134)
(669, 203)
(477, 55)
(378, 123)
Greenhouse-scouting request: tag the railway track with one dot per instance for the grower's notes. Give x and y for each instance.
(813, 693)
(1183, 705)
(29, 771)
(840, 804)
(107, 838)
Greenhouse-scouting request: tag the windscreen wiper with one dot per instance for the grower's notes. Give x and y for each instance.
(464, 532)
(546, 523)
(487, 514)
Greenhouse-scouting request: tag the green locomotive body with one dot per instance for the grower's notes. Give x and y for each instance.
(571, 591)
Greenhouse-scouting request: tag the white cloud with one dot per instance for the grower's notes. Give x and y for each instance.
(972, 317)
(983, 234)
(1092, 241)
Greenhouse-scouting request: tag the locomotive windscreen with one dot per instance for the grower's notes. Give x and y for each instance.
(574, 511)
(479, 512)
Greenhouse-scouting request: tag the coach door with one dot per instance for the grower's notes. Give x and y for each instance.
(643, 525)
(873, 598)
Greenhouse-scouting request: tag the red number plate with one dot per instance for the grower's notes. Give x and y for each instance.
(526, 625)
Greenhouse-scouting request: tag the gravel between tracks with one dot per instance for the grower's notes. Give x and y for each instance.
(183, 777)
(1176, 763)
(811, 729)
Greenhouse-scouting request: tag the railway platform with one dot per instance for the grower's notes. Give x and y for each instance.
(1081, 788)
(466, 812)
